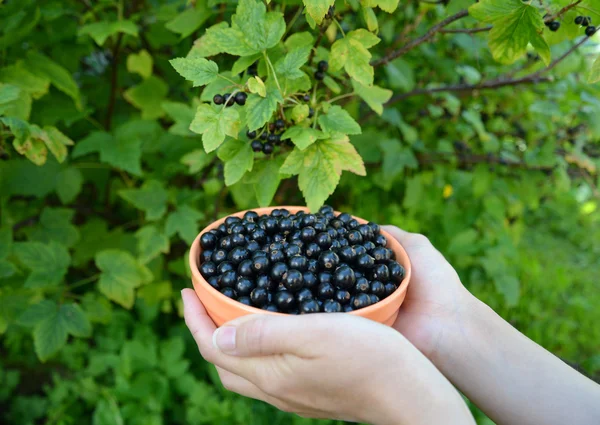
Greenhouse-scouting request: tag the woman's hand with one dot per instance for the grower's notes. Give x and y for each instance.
(326, 366)
(437, 303)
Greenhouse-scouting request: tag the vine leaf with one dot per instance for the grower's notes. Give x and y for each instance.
(100, 31)
(317, 9)
(140, 63)
(515, 25)
(320, 166)
(199, 71)
(339, 120)
(386, 5)
(214, 123)
(260, 109)
(256, 85)
(120, 152)
(150, 198)
(352, 54)
(238, 158)
(120, 275)
(151, 242)
(373, 96)
(48, 262)
(303, 137)
(183, 221)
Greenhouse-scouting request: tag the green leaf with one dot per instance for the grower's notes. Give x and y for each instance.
(148, 96)
(238, 158)
(60, 78)
(243, 63)
(289, 65)
(56, 142)
(395, 159)
(196, 160)
(302, 137)
(8, 93)
(515, 25)
(300, 113)
(6, 238)
(151, 242)
(388, 6)
(121, 274)
(33, 148)
(7, 269)
(370, 19)
(594, 76)
(260, 109)
(107, 412)
(140, 63)
(189, 20)
(199, 71)
(100, 31)
(256, 85)
(48, 262)
(265, 178)
(317, 9)
(182, 114)
(49, 336)
(338, 120)
(400, 75)
(510, 287)
(151, 198)
(183, 221)
(211, 43)
(474, 118)
(68, 184)
(373, 96)
(76, 322)
(261, 30)
(320, 166)
(55, 225)
(37, 313)
(123, 153)
(21, 77)
(352, 54)
(214, 123)
(19, 128)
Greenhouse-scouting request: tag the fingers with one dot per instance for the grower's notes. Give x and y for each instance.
(242, 386)
(259, 335)
(407, 239)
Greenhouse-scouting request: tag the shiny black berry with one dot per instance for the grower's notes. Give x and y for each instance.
(304, 294)
(380, 272)
(308, 233)
(329, 260)
(591, 30)
(284, 300)
(361, 301)
(208, 241)
(309, 306)
(306, 98)
(374, 299)
(271, 307)
(323, 66)
(554, 26)
(365, 261)
(218, 99)
(263, 135)
(311, 112)
(325, 291)
(229, 292)
(238, 254)
(256, 146)
(214, 282)
(259, 297)
(245, 268)
(267, 148)
(342, 296)
(206, 255)
(362, 285)
(225, 266)
(240, 98)
(378, 288)
(251, 134)
(245, 300)
(389, 289)
(260, 264)
(344, 277)
(218, 256)
(293, 280)
(244, 286)
(276, 256)
(279, 124)
(332, 306)
(347, 308)
(380, 240)
(319, 76)
(396, 271)
(312, 250)
(310, 280)
(579, 20)
(208, 270)
(278, 271)
(298, 262)
(323, 239)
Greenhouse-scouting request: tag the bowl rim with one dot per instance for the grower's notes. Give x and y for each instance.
(195, 250)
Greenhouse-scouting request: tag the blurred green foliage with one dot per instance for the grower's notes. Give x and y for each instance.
(486, 143)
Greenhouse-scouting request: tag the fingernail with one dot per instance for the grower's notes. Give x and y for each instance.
(224, 339)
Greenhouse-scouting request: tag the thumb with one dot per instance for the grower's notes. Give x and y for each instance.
(412, 242)
(263, 335)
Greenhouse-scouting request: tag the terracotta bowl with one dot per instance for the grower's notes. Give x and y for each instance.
(223, 309)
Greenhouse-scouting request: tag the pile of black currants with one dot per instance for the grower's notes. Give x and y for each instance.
(300, 263)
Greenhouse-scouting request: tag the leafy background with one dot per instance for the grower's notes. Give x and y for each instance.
(483, 139)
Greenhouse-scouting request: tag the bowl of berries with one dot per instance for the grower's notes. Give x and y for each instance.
(288, 261)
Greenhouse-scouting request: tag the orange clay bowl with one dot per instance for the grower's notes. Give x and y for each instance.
(222, 309)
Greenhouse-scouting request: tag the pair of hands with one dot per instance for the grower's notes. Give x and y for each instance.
(345, 367)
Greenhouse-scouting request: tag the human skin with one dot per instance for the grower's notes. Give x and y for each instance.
(327, 366)
(513, 380)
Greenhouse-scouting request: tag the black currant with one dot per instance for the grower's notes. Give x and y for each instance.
(265, 282)
(218, 256)
(245, 268)
(238, 254)
(347, 254)
(378, 288)
(325, 291)
(348, 308)
(380, 272)
(344, 277)
(225, 266)
(245, 300)
(279, 124)
(396, 271)
(323, 66)
(591, 30)
(244, 286)
(554, 26)
(259, 235)
(228, 279)
(304, 294)
(374, 299)
(380, 240)
(278, 271)
(306, 98)
(259, 297)
(310, 280)
(323, 239)
(342, 296)
(256, 146)
(263, 135)
(240, 98)
(319, 76)
(251, 134)
(354, 237)
(208, 241)
(208, 269)
(362, 285)
(229, 292)
(251, 216)
(298, 262)
(579, 20)
(311, 112)
(214, 282)
(284, 300)
(292, 280)
(260, 264)
(365, 261)
(206, 255)
(309, 306)
(267, 148)
(271, 307)
(312, 265)
(332, 306)
(389, 289)
(361, 300)
(218, 99)
(276, 256)
(329, 260)
(308, 233)
(325, 277)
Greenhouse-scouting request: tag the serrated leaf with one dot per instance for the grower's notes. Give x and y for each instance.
(148, 96)
(20, 76)
(289, 65)
(256, 85)
(68, 184)
(183, 221)
(370, 19)
(189, 20)
(260, 109)
(386, 5)
(338, 120)
(238, 157)
(243, 63)
(37, 313)
(49, 337)
(120, 152)
(594, 76)
(19, 128)
(182, 114)
(400, 75)
(317, 9)
(515, 25)
(373, 96)
(57, 142)
(395, 159)
(121, 274)
(100, 31)
(265, 178)
(151, 242)
(196, 160)
(302, 137)
(320, 166)
(199, 71)
(211, 43)
(352, 54)
(34, 149)
(55, 225)
(140, 63)
(332, 84)
(150, 198)
(214, 123)
(7, 269)
(48, 262)
(8, 93)
(59, 77)
(76, 322)
(261, 30)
